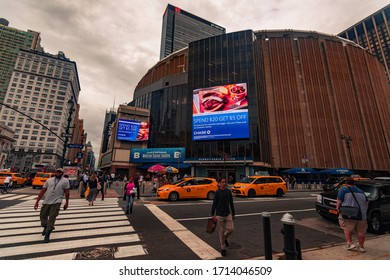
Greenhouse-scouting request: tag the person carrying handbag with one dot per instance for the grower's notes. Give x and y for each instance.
(129, 193)
(351, 196)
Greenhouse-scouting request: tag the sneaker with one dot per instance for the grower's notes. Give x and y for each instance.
(360, 249)
(349, 246)
(223, 253)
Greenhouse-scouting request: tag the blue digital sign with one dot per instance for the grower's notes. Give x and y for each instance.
(220, 113)
(129, 130)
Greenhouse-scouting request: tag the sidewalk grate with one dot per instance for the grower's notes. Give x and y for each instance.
(98, 253)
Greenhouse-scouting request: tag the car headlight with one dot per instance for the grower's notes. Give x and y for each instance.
(319, 198)
(166, 189)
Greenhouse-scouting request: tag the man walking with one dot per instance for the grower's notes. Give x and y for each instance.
(223, 208)
(54, 190)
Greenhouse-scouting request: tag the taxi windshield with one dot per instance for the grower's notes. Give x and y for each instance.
(247, 180)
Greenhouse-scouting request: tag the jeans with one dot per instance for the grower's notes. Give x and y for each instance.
(129, 202)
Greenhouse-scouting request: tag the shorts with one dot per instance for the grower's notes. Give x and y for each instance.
(358, 226)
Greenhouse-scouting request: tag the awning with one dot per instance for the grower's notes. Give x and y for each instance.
(304, 170)
(337, 171)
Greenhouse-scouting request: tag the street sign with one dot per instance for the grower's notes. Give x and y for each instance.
(66, 135)
(76, 146)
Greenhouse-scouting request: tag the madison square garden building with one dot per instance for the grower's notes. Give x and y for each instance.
(249, 101)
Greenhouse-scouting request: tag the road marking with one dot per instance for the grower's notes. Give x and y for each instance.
(14, 197)
(21, 238)
(197, 245)
(252, 214)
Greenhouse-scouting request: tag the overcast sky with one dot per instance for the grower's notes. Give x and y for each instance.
(115, 42)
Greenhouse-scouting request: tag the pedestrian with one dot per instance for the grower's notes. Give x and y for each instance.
(93, 185)
(102, 181)
(350, 195)
(54, 189)
(223, 213)
(7, 183)
(292, 181)
(130, 191)
(136, 183)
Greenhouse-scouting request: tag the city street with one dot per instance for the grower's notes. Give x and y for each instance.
(156, 229)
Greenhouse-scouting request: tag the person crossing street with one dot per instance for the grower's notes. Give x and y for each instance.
(54, 190)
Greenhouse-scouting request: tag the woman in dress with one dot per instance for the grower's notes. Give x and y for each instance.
(93, 184)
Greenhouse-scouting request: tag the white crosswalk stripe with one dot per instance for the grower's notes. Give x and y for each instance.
(14, 196)
(76, 229)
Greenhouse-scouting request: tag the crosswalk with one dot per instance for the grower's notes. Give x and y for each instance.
(15, 196)
(80, 227)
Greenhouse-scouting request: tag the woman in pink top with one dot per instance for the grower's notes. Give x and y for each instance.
(130, 191)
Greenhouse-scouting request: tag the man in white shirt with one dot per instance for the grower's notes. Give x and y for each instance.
(7, 182)
(54, 190)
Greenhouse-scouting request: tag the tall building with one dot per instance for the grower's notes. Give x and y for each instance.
(181, 28)
(11, 40)
(108, 120)
(289, 95)
(373, 34)
(36, 107)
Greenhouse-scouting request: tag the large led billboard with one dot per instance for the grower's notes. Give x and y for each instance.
(129, 130)
(220, 112)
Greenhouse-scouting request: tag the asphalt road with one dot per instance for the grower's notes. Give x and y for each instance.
(168, 230)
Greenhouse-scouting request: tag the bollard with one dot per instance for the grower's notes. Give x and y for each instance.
(267, 235)
(289, 249)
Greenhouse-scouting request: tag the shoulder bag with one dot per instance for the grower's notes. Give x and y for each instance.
(351, 212)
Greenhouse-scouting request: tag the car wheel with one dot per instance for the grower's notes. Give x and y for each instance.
(173, 196)
(279, 193)
(375, 223)
(210, 195)
(251, 193)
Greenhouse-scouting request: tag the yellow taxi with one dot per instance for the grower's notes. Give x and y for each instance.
(194, 187)
(252, 186)
(40, 179)
(17, 178)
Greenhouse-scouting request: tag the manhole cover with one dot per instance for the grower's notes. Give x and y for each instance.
(99, 253)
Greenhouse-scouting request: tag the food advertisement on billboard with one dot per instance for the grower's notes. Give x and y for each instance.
(220, 112)
(129, 130)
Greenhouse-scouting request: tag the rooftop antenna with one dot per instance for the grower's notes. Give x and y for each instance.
(113, 105)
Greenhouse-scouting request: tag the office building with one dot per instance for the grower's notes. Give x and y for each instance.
(373, 34)
(11, 40)
(289, 95)
(36, 106)
(180, 28)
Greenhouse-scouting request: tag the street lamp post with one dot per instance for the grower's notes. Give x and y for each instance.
(70, 105)
(178, 160)
(348, 140)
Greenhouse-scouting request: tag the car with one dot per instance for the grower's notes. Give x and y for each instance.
(334, 183)
(386, 179)
(194, 187)
(252, 186)
(17, 178)
(40, 179)
(378, 212)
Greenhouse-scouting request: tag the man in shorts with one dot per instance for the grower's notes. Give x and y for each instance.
(350, 195)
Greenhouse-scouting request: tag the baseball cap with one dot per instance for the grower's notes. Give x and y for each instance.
(60, 169)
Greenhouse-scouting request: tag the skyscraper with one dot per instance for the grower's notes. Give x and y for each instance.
(373, 34)
(36, 107)
(11, 40)
(180, 28)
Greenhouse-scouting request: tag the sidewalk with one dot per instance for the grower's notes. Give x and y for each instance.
(377, 248)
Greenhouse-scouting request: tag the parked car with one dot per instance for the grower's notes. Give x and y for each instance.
(17, 178)
(194, 187)
(386, 179)
(252, 186)
(378, 212)
(40, 179)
